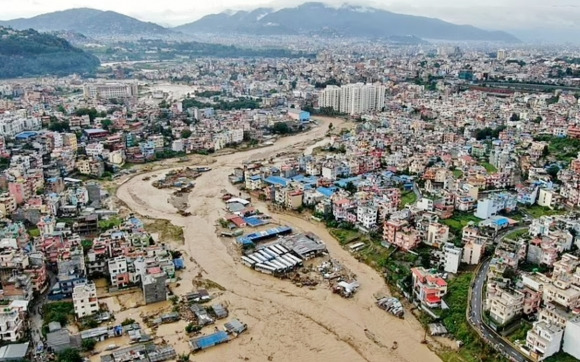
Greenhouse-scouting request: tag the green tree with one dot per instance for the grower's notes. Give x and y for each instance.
(553, 171)
(106, 124)
(69, 355)
(350, 187)
(89, 344)
(281, 128)
(186, 133)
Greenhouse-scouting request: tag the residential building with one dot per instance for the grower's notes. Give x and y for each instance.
(353, 99)
(437, 235)
(85, 300)
(11, 324)
(544, 340)
(452, 258)
(503, 304)
(428, 287)
(118, 272)
(571, 337)
(154, 286)
(474, 245)
(494, 204)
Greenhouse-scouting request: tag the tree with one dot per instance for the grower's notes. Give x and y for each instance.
(186, 133)
(89, 344)
(330, 126)
(69, 355)
(127, 322)
(281, 128)
(553, 171)
(350, 187)
(106, 123)
(87, 245)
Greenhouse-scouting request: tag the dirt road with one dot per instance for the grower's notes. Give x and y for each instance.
(286, 323)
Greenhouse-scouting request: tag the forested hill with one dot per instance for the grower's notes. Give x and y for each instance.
(26, 53)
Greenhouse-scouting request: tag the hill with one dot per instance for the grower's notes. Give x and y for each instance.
(346, 21)
(90, 22)
(29, 53)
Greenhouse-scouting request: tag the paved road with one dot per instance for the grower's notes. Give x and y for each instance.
(476, 312)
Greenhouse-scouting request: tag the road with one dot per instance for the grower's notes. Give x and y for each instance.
(476, 311)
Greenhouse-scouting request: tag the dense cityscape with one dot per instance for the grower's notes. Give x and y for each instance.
(295, 197)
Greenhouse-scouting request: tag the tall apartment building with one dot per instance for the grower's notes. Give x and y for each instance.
(110, 90)
(354, 98)
(85, 300)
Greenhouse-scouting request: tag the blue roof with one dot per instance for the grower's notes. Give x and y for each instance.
(344, 182)
(327, 192)
(136, 222)
(255, 177)
(25, 135)
(276, 180)
(253, 221)
(211, 340)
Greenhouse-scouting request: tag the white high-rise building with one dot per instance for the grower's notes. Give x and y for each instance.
(354, 98)
(330, 97)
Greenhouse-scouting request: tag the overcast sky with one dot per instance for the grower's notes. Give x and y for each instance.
(489, 14)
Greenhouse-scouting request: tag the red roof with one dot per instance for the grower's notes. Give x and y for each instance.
(155, 270)
(432, 298)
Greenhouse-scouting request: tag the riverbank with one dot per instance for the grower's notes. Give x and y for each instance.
(286, 323)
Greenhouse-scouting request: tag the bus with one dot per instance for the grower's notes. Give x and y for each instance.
(266, 269)
(247, 261)
(274, 250)
(356, 247)
(296, 259)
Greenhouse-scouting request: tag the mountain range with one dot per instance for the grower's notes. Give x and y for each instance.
(90, 22)
(347, 21)
(307, 19)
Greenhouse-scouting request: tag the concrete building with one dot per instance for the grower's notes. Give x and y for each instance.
(493, 204)
(7, 204)
(548, 198)
(367, 216)
(118, 272)
(352, 99)
(428, 287)
(110, 90)
(85, 300)
(504, 305)
(474, 245)
(11, 324)
(437, 235)
(452, 257)
(571, 337)
(544, 340)
(154, 286)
